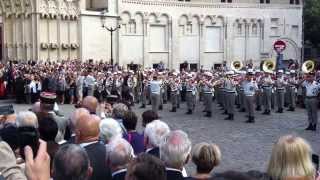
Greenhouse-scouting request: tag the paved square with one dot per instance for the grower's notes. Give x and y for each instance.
(244, 146)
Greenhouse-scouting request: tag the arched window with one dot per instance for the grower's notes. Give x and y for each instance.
(96, 5)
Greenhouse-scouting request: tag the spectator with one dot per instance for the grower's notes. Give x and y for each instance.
(9, 134)
(110, 129)
(205, 156)
(120, 153)
(71, 162)
(148, 116)
(27, 119)
(8, 167)
(118, 113)
(74, 118)
(174, 151)
(234, 175)
(87, 136)
(146, 167)
(132, 136)
(90, 103)
(153, 135)
(291, 158)
(47, 101)
(48, 130)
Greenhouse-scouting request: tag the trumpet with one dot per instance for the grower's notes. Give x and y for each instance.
(308, 66)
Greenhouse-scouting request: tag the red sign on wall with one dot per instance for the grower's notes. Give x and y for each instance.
(279, 46)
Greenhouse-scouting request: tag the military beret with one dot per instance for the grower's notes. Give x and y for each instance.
(48, 98)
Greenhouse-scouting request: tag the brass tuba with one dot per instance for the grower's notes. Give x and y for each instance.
(236, 65)
(268, 66)
(308, 66)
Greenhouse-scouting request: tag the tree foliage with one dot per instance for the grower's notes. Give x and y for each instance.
(312, 22)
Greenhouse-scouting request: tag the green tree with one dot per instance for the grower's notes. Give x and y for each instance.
(312, 22)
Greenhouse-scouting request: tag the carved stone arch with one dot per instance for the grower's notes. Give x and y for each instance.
(2, 7)
(153, 17)
(183, 19)
(164, 18)
(8, 7)
(209, 20)
(125, 17)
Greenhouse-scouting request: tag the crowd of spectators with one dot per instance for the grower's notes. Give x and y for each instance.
(96, 145)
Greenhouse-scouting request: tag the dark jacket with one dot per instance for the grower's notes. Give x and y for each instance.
(155, 152)
(173, 174)
(97, 156)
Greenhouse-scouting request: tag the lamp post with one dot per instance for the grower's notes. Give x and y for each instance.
(111, 30)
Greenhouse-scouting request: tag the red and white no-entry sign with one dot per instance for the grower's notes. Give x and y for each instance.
(279, 46)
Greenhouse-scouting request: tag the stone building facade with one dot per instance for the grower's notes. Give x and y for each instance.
(200, 32)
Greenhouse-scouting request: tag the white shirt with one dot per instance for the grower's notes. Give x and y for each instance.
(249, 88)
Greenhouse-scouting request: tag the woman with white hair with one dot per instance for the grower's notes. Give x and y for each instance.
(291, 159)
(110, 129)
(153, 135)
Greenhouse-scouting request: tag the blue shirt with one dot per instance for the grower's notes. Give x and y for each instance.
(155, 87)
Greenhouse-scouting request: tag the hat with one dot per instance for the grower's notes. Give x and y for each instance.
(280, 71)
(208, 74)
(48, 98)
(250, 72)
(287, 72)
(175, 74)
(292, 71)
(230, 73)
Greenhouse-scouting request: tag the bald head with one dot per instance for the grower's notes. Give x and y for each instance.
(90, 103)
(87, 128)
(36, 108)
(77, 114)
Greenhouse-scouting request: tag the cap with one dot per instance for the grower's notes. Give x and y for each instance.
(208, 74)
(48, 98)
(250, 72)
(292, 71)
(280, 71)
(230, 73)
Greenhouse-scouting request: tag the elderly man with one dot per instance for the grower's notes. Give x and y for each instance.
(27, 119)
(87, 136)
(153, 135)
(175, 151)
(145, 166)
(71, 162)
(110, 129)
(91, 104)
(120, 153)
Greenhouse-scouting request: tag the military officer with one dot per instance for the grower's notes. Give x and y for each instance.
(249, 86)
(174, 92)
(292, 90)
(207, 94)
(230, 90)
(311, 100)
(155, 90)
(191, 94)
(258, 95)
(280, 90)
(266, 85)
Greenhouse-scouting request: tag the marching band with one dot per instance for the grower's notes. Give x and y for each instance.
(249, 90)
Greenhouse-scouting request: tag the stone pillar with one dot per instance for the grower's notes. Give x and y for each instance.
(175, 45)
(170, 52)
(201, 43)
(145, 42)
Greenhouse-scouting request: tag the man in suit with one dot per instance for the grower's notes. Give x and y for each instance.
(120, 153)
(175, 152)
(153, 135)
(87, 136)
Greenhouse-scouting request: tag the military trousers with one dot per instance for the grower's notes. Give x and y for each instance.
(292, 97)
(249, 104)
(155, 101)
(280, 98)
(191, 100)
(207, 100)
(174, 99)
(267, 98)
(312, 109)
(230, 100)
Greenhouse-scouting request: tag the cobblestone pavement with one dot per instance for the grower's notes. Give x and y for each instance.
(244, 146)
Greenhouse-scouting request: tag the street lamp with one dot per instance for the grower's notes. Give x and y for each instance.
(110, 29)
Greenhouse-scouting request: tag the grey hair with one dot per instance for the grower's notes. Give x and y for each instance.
(27, 118)
(119, 110)
(155, 131)
(71, 162)
(119, 152)
(175, 149)
(110, 129)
